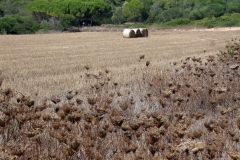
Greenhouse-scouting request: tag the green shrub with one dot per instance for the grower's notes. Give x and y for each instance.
(178, 21)
(230, 23)
(66, 21)
(118, 17)
(236, 15)
(1, 12)
(46, 26)
(14, 24)
(206, 22)
(227, 20)
(168, 15)
(225, 17)
(214, 9)
(196, 14)
(233, 7)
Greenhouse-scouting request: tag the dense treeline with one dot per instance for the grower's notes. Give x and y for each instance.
(28, 16)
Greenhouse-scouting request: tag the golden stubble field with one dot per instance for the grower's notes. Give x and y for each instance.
(50, 64)
(103, 101)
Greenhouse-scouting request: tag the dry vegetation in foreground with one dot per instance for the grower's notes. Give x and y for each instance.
(51, 64)
(188, 111)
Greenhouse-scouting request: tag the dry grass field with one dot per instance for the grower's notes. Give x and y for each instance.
(50, 64)
(96, 96)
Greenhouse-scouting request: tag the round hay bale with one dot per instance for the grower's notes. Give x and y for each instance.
(128, 33)
(137, 32)
(144, 32)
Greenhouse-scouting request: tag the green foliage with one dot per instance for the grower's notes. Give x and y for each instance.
(196, 14)
(233, 6)
(46, 26)
(227, 20)
(78, 8)
(14, 7)
(14, 24)
(178, 22)
(208, 13)
(170, 14)
(118, 16)
(115, 2)
(133, 9)
(214, 9)
(147, 9)
(1, 12)
(65, 21)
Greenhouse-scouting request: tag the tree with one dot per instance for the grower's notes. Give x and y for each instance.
(147, 9)
(233, 7)
(196, 14)
(118, 16)
(66, 21)
(14, 7)
(1, 12)
(170, 14)
(154, 10)
(15, 24)
(214, 9)
(86, 9)
(117, 3)
(133, 9)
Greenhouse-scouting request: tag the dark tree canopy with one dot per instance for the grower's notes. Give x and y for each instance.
(78, 8)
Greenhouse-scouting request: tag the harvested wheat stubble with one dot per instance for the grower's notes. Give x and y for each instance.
(128, 33)
(137, 32)
(193, 118)
(144, 32)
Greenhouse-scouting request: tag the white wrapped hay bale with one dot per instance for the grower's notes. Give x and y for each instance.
(137, 32)
(128, 33)
(144, 32)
